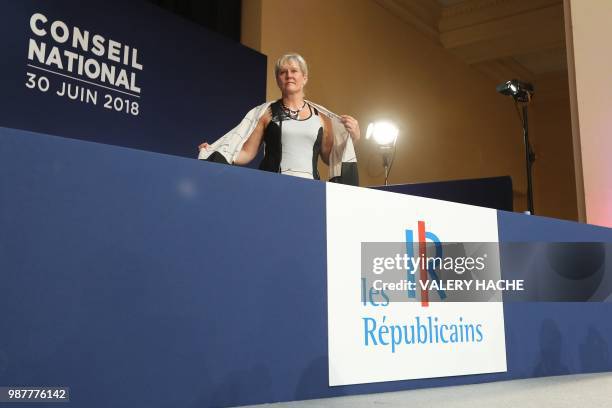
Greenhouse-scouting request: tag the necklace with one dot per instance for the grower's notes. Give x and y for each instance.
(293, 114)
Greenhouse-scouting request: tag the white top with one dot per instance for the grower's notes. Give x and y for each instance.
(297, 141)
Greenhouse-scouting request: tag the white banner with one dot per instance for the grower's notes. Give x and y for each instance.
(374, 340)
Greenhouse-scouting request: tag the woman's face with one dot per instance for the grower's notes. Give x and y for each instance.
(290, 78)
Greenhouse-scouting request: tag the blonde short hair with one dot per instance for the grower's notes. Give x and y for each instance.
(291, 57)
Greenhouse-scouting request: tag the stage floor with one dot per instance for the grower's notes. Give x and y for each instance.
(582, 390)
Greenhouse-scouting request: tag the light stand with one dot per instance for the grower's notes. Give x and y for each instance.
(522, 92)
(529, 159)
(387, 157)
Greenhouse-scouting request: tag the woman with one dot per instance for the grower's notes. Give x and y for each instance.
(295, 132)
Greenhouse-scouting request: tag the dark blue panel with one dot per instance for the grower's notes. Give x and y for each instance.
(491, 192)
(196, 85)
(145, 280)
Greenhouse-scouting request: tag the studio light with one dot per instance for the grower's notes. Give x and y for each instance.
(520, 91)
(384, 134)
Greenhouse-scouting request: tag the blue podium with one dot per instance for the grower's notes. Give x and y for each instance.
(139, 279)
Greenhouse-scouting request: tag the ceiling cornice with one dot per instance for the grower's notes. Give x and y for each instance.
(470, 6)
(500, 38)
(424, 15)
(474, 12)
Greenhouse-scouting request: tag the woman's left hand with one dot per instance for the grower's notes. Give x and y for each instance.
(352, 126)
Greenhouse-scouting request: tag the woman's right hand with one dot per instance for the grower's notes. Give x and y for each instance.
(203, 146)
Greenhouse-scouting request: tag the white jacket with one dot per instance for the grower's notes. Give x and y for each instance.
(230, 144)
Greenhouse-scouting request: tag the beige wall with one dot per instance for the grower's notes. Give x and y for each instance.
(591, 61)
(551, 135)
(366, 62)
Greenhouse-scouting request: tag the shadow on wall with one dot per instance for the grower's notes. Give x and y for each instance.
(594, 353)
(249, 386)
(314, 382)
(551, 348)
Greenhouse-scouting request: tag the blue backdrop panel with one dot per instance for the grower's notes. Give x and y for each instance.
(146, 280)
(195, 84)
